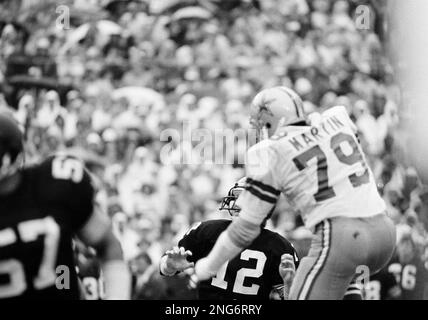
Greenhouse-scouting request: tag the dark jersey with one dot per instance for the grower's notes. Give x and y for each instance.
(89, 272)
(250, 275)
(381, 286)
(37, 223)
(412, 278)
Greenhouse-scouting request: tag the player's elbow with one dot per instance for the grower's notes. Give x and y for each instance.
(243, 233)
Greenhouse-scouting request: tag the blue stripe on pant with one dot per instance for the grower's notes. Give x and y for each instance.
(317, 267)
(339, 247)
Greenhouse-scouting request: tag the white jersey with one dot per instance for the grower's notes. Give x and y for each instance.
(321, 170)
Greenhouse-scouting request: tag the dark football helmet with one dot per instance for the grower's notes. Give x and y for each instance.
(229, 202)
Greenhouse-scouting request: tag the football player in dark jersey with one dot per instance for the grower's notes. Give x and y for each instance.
(382, 286)
(263, 270)
(89, 272)
(409, 269)
(41, 209)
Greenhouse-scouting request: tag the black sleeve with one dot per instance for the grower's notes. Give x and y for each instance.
(66, 184)
(201, 238)
(193, 241)
(190, 241)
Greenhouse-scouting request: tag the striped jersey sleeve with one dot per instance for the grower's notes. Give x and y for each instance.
(262, 189)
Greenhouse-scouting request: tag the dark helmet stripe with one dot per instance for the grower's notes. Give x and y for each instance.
(293, 97)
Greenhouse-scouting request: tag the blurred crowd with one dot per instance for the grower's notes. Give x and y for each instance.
(107, 78)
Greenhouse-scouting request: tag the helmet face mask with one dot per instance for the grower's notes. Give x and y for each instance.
(229, 202)
(261, 129)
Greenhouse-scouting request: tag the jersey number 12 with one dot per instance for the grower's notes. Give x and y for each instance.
(239, 287)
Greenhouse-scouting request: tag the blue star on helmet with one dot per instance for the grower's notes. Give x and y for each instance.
(264, 108)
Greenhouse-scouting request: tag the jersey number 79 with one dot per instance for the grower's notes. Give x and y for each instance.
(324, 190)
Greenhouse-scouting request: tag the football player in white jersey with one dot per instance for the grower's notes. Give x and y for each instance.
(321, 169)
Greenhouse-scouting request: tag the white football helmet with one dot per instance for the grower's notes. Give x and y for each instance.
(274, 107)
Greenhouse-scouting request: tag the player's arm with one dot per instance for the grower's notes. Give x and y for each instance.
(74, 188)
(286, 261)
(287, 271)
(97, 233)
(239, 235)
(175, 261)
(255, 202)
(181, 257)
(93, 227)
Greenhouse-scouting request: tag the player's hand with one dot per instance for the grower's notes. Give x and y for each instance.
(287, 269)
(177, 259)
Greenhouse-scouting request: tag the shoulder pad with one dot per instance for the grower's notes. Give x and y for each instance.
(336, 110)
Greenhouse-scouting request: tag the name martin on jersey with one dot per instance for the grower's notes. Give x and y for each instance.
(328, 126)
